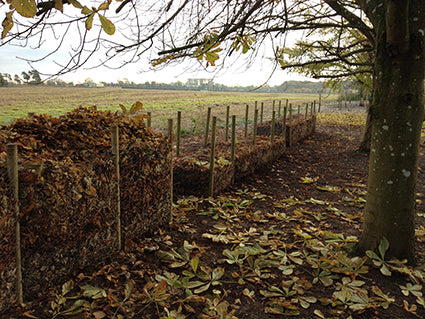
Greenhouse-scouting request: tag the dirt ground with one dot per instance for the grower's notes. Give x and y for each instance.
(278, 244)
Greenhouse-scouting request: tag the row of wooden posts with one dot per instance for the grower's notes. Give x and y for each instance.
(309, 110)
(12, 163)
(258, 115)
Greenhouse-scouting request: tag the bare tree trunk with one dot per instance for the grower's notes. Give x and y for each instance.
(367, 133)
(397, 111)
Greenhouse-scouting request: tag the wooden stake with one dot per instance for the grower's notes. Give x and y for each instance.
(232, 157)
(179, 124)
(12, 172)
(314, 107)
(254, 134)
(170, 136)
(149, 120)
(212, 157)
(285, 112)
(280, 108)
(320, 102)
(207, 126)
(273, 127)
(227, 122)
(262, 112)
(290, 124)
(306, 110)
(246, 120)
(116, 152)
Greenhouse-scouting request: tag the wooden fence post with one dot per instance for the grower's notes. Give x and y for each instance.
(232, 157)
(246, 120)
(285, 111)
(320, 102)
(280, 108)
(116, 152)
(12, 171)
(179, 128)
(207, 126)
(298, 112)
(254, 133)
(212, 157)
(273, 126)
(261, 112)
(227, 122)
(170, 136)
(314, 107)
(149, 120)
(306, 110)
(290, 124)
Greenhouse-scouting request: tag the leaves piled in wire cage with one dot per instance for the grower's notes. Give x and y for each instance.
(191, 169)
(68, 192)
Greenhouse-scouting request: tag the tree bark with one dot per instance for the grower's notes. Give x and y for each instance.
(397, 111)
(367, 133)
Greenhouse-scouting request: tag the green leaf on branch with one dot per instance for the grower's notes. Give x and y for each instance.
(89, 21)
(76, 4)
(107, 25)
(245, 42)
(26, 8)
(85, 10)
(103, 6)
(208, 52)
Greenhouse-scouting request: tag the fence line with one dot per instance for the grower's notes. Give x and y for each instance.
(212, 157)
(288, 115)
(116, 153)
(12, 171)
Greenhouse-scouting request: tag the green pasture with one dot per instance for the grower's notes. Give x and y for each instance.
(17, 102)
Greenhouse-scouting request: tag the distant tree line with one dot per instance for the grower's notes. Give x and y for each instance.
(32, 77)
(285, 87)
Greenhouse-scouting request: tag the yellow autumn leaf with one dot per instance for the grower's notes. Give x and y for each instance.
(85, 10)
(89, 21)
(26, 8)
(136, 107)
(76, 4)
(7, 24)
(104, 6)
(59, 5)
(124, 109)
(107, 25)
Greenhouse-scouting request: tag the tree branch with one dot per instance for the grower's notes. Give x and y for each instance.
(353, 19)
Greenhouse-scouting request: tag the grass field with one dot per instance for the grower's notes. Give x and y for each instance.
(17, 102)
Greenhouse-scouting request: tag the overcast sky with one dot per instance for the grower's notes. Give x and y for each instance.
(237, 74)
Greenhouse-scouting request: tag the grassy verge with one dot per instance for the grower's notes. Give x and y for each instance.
(17, 102)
